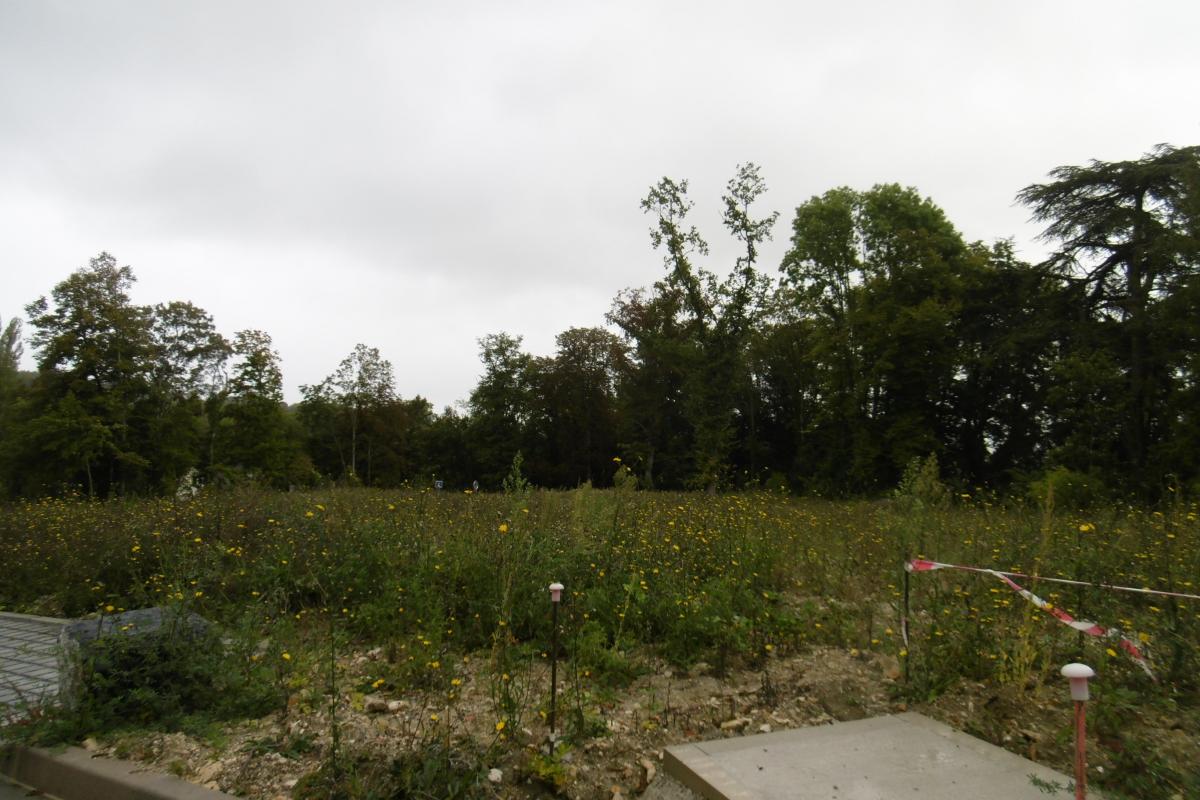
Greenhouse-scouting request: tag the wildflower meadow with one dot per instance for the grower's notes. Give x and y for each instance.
(434, 577)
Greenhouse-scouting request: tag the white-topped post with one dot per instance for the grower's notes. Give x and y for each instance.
(556, 590)
(1078, 675)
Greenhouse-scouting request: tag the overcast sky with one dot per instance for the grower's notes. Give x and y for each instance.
(414, 176)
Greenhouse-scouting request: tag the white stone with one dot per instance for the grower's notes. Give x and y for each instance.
(209, 772)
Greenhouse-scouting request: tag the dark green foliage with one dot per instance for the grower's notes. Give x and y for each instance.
(887, 337)
(251, 435)
(172, 681)
(1128, 250)
(12, 397)
(605, 661)
(501, 406)
(1006, 329)
(874, 286)
(334, 780)
(93, 394)
(453, 771)
(1140, 768)
(689, 397)
(575, 408)
(1066, 489)
(131, 399)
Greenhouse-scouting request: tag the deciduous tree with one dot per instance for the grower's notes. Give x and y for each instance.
(255, 437)
(96, 347)
(876, 278)
(500, 405)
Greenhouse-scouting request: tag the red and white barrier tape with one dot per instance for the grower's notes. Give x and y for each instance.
(1069, 582)
(1090, 628)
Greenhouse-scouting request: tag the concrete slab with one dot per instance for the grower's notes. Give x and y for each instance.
(28, 659)
(13, 791)
(74, 774)
(902, 757)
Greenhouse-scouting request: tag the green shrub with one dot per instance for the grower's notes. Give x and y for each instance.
(921, 485)
(1064, 488)
(450, 770)
(163, 682)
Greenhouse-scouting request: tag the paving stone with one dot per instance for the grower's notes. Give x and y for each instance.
(29, 669)
(885, 758)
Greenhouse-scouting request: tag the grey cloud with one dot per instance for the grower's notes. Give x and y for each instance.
(418, 177)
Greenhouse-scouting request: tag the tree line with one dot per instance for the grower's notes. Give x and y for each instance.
(882, 338)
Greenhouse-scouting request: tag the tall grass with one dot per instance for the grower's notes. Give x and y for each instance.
(696, 576)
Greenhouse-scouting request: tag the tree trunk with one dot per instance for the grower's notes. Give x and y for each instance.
(353, 442)
(1137, 291)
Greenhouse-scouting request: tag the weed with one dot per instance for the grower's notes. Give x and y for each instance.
(725, 579)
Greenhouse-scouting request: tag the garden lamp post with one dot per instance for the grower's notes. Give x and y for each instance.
(556, 590)
(1078, 675)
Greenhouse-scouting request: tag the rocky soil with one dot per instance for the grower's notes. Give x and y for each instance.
(267, 758)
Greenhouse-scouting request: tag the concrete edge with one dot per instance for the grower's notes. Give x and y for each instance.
(995, 753)
(74, 774)
(702, 775)
(35, 617)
